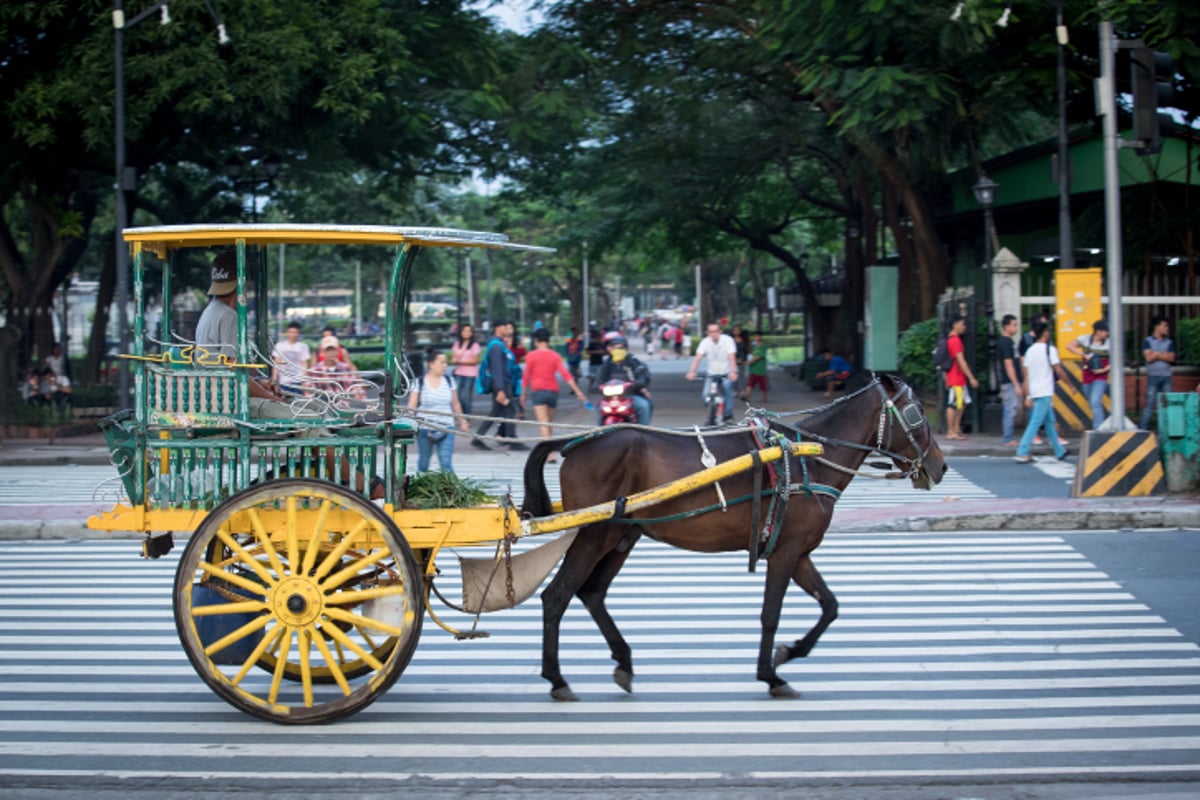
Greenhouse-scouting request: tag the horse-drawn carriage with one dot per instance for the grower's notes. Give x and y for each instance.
(300, 595)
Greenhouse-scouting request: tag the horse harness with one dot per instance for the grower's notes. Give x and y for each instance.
(764, 536)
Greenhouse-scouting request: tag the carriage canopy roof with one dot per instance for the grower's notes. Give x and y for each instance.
(163, 238)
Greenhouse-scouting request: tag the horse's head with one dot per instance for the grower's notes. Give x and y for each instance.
(905, 435)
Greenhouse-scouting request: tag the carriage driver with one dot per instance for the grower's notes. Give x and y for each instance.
(622, 365)
(216, 332)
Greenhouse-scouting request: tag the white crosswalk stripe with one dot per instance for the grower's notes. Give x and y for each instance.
(956, 654)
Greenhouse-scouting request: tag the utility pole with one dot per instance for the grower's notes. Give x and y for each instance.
(1106, 92)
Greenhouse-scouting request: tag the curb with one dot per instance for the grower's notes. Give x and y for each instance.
(1101, 519)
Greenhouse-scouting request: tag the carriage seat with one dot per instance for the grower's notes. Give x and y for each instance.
(192, 397)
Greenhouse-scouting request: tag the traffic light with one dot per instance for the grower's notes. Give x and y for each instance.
(1151, 78)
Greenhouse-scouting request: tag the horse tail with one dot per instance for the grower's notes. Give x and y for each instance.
(537, 496)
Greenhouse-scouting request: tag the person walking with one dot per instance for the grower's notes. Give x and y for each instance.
(543, 367)
(1012, 390)
(465, 355)
(960, 374)
(720, 354)
(501, 368)
(435, 400)
(1094, 349)
(757, 367)
(1041, 364)
(1159, 352)
(575, 353)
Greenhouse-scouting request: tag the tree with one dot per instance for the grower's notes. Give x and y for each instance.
(386, 85)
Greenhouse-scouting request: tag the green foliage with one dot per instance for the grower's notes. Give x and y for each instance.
(1188, 340)
(445, 490)
(914, 351)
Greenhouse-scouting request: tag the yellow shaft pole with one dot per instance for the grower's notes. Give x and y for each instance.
(667, 491)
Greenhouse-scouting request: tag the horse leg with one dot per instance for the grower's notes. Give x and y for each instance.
(589, 548)
(774, 588)
(808, 579)
(593, 593)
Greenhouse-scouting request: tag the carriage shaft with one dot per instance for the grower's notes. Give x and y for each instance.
(667, 491)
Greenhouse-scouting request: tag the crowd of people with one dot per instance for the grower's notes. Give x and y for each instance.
(1028, 367)
(47, 384)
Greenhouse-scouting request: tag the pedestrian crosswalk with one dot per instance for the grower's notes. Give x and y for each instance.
(968, 655)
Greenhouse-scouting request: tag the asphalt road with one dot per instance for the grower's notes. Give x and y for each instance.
(968, 664)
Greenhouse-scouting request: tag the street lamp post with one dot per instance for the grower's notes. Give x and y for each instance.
(985, 195)
(126, 181)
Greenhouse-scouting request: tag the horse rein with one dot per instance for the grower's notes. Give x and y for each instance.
(909, 417)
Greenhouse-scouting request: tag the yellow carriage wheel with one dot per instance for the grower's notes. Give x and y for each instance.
(298, 601)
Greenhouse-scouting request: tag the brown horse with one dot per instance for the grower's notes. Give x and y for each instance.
(884, 416)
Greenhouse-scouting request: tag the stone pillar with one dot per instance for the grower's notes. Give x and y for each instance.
(1006, 285)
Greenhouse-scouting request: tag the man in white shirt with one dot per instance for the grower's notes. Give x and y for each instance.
(720, 353)
(292, 358)
(1040, 366)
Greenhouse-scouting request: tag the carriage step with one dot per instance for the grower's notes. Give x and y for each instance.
(460, 635)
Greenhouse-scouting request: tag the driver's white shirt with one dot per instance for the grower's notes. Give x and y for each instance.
(718, 353)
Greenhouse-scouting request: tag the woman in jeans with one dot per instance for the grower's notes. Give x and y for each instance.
(436, 401)
(1094, 349)
(465, 355)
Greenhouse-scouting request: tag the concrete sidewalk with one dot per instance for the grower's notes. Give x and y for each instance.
(677, 404)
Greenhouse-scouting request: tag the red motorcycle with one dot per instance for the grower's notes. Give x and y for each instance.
(617, 406)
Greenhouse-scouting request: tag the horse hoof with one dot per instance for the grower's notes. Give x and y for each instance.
(784, 690)
(624, 679)
(781, 656)
(563, 694)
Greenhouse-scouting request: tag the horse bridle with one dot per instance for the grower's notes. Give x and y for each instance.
(909, 417)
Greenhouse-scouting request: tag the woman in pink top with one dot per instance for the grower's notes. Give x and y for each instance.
(542, 368)
(464, 355)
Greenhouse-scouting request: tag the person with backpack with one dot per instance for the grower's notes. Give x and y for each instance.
(498, 376)
(958, 397)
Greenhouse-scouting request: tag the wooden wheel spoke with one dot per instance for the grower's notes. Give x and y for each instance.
(280, 663)
(353, 596)
(335, 668)
(314, 539)
(271, 640)
(293, 534)
(353, 645)
(235, 579)
(256, 624)
(245, 558)
(304, 643)
(264, 539)
(344, 575)
(246, 607)
(343, 546)
(378, 625)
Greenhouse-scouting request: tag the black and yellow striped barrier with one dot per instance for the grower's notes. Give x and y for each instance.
(1071, 408)
(1119, 464)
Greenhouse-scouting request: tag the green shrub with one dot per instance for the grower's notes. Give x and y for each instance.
(1188, 341)
(915, 354)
